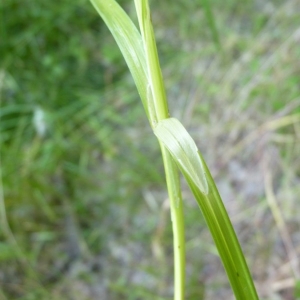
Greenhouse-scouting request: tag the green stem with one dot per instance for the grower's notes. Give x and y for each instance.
(177, 217)
(158, 101)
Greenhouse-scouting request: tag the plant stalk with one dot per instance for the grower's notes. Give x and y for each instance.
(158, 110)
(177, 217)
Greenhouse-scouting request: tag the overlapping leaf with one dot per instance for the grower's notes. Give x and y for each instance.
(184, 151)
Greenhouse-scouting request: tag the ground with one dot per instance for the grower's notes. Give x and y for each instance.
(83, 204)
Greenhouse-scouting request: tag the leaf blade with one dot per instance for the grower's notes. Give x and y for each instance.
(181, 146)
(129, 41)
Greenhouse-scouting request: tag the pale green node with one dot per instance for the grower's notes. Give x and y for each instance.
(183, 149)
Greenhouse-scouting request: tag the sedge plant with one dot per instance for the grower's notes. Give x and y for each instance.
(179, 151)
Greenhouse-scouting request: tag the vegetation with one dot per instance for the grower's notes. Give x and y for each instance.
(84, 201)
(177, 148)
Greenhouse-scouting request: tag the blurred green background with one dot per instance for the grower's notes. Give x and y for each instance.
(83, 204)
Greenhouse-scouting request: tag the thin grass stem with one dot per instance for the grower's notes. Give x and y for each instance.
(158, 101)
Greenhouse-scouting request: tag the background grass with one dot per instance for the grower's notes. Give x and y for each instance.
(87, 214)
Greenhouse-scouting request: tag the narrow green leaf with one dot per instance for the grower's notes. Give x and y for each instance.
(181, 146)
(129, 41)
